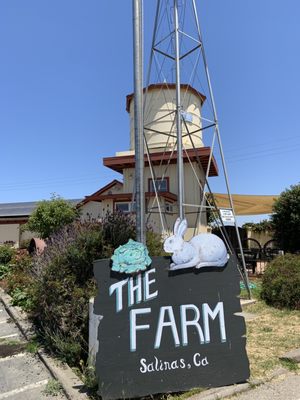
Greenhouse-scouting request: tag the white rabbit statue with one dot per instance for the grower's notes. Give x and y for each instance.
(203, 250)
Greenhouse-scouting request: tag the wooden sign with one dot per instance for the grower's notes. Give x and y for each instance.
(166, 331)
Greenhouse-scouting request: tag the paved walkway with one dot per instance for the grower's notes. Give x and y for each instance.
(22, 375)
(285, 387)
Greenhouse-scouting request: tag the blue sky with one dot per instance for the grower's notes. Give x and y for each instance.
(66, 68)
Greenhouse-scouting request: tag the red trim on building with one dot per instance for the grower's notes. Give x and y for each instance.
(119, 163)
(10, 221)
(128, 196)
(95, 196)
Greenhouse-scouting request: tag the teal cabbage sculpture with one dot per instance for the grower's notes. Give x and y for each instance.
(131, 258)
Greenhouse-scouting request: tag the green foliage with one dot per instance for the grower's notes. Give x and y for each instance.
(56, 286)
(19, 274)
(262, 226)
(21, 298)
(255, 288)
(33, 346)
(6, 253)
(66, 348)
(53, 388)
(154, 243)
(88, 375)
(50, 216)
(281, 282)
(4, 270)
(64, 285)
(118, 228)
(290, 365)
(286, 219)
(25, 243)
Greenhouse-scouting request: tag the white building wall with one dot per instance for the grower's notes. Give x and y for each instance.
(10, 232)
(91, 211)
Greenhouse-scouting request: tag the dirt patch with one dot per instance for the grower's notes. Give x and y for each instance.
(9, 349)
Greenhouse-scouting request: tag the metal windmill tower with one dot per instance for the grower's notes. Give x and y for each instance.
(178, 70)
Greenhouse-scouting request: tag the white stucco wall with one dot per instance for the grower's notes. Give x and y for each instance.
(91, 211)
(10, 232)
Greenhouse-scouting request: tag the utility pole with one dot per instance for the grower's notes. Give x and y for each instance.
(180, 175)
(138, 118)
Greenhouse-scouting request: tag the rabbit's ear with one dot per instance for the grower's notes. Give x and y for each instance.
(176, 226)
(182, 227)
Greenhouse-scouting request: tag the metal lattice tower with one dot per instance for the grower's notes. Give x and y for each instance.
(178, 76)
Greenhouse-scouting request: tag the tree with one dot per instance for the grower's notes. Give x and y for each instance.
(50, 216)
(286, 219)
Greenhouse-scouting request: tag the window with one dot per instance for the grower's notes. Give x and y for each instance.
(169, 207)
(125, 206)
(161, 184)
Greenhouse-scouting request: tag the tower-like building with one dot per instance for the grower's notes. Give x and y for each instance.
(160, 177)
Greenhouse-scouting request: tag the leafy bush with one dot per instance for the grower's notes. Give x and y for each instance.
(4, 270)
(118, 228)
(281, 282)
(21, 298)
(19, 280)
(6, 253)
(60, 281)
(262, 226)
(64, 285)
(286, 219)
(50, 216)
(25, 244)
(154, 243)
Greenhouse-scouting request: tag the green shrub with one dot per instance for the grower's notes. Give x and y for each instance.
(25, 243)
(6, 253)
(50, 216)
(19, 274)
(21, 298)
(60, 281)
(64, 285)
(281, 282)
(4, 270)
(154, 243)
(118, 228)
(286, 219)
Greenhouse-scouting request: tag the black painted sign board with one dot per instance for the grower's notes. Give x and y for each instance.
(166, 331)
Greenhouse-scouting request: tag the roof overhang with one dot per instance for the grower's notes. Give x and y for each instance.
(201, 154)
(128, 196)
(18, 220)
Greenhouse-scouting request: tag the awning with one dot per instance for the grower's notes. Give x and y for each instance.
(247, 204)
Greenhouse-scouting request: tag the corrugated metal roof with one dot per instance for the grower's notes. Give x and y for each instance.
(23, 209)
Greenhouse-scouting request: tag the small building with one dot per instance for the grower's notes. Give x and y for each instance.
(12, 217)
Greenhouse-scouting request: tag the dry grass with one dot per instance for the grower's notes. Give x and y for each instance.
(271, 334)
